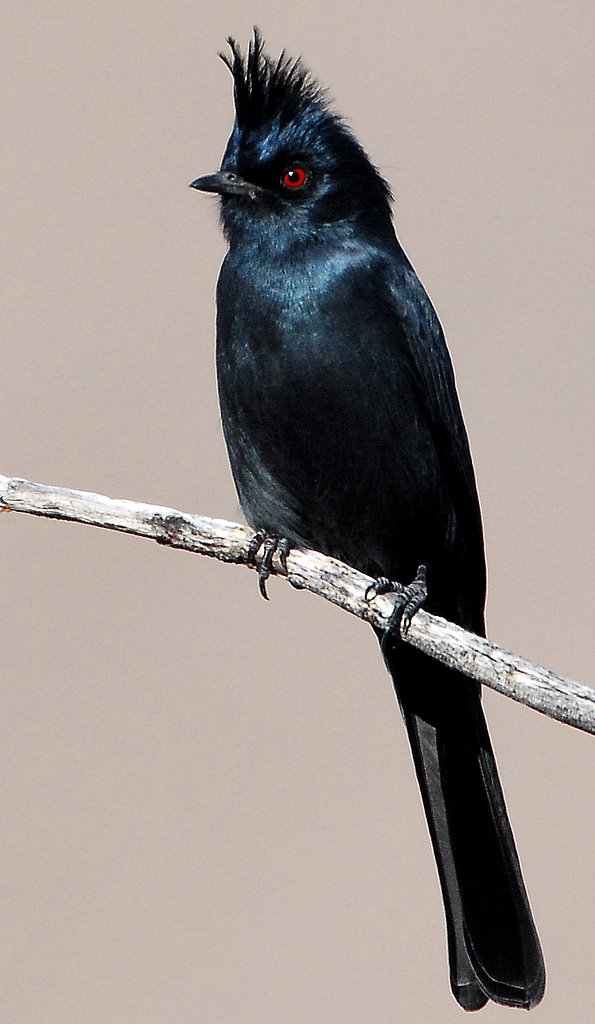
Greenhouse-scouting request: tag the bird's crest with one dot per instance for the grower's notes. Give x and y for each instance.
(267, 90)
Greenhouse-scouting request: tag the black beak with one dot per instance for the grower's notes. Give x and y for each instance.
(226, 184)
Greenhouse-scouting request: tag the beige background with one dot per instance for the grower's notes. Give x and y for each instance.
(210, 812)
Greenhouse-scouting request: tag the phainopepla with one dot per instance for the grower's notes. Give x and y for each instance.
(345, 435)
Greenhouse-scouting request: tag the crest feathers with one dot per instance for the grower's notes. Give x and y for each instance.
(267, 90)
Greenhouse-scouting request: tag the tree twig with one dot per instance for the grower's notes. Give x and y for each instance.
(530, 684)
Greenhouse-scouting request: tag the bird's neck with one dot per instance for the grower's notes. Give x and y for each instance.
(288, 271)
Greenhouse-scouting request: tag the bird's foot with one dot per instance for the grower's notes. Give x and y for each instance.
(261, 552)
(410, 600)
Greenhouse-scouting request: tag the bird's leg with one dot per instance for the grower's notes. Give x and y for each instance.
(410, 600)
(261, 551)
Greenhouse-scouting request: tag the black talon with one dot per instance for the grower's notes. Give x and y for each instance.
(417, 593)
(283, 549)
(254, 545)
(270, 545)
(265, 568)
(411, 599)
(382, 585)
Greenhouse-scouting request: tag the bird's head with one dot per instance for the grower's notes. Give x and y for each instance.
(291, 163)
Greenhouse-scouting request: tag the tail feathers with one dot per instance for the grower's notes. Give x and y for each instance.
(494, 950)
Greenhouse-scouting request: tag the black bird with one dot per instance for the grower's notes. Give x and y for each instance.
(345, 435)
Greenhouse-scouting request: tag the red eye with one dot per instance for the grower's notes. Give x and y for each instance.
(294, 177)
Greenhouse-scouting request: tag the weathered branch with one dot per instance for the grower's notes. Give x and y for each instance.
(507, 673)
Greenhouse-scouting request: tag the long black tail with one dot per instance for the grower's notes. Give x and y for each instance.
(494, 950)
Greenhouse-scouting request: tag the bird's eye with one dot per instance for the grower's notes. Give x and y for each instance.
(294, 177)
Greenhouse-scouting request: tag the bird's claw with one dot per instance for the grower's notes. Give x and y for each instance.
(261, 551)
(411, 599)
(382, 585)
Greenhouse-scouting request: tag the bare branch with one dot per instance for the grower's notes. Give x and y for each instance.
(507, 673)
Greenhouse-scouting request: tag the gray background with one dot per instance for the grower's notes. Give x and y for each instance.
(210, 812)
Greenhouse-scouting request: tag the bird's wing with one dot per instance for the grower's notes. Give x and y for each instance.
(433, 377)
